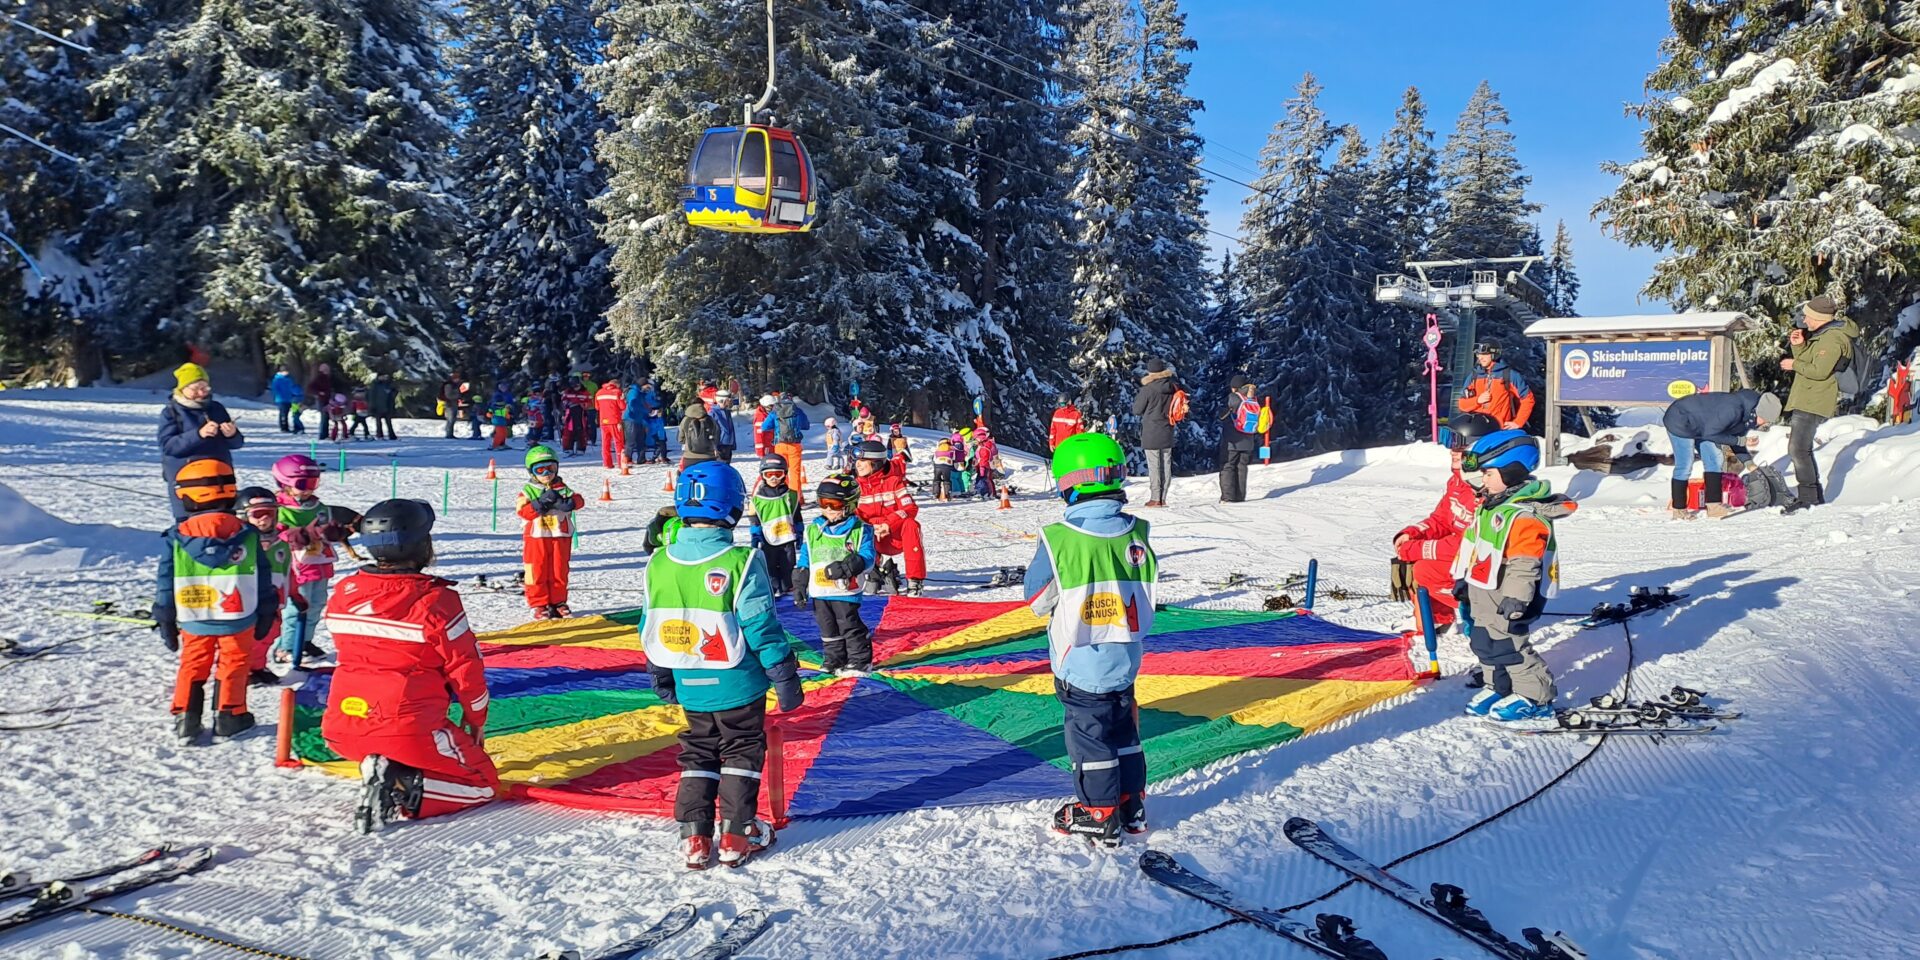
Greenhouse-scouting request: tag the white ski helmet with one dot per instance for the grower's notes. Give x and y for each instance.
(766, 400)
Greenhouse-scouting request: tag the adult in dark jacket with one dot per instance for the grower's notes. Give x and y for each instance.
(1151, 403)
(698, 443)
(1237, 446)
(452, 389)
(320, 389)
(194, 426)
(1699, 426)
(381, 397)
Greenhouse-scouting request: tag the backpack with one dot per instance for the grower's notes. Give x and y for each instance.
(1850, 375)
(1177, 406)
(1247, 417)
(786, 426)
(697, 436)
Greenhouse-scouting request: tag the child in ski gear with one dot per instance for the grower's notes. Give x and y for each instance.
(213, 600)
(546, 545)
(1497, 390)
(257, 507)
(838, 547)
(985, 451)
(773, 512)
(888, 507)
(662, 530)
(1095, 572)
(962, 464)
(1506, 570)
(836, 457)
(360, 409)
(286, 394)
(714, 646)
(194, 426)
(501, 416)
(1699, 425)
(307, 527)
(762, 429)
(337, 418)
(406, 655)
(612, 406)
(943, 470)
(897, 443)
(1427, 548)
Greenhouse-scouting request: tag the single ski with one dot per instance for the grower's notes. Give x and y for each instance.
(20, 882)
(1619, 731)
(1688, 708)
(1640, 600)
(1447, 904)
(677, 919)
(1331, 936)
(147, 621)
(58, 897)
(748, 925)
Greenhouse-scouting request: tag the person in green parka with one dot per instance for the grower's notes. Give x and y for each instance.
(1820, 351)
(714, 646)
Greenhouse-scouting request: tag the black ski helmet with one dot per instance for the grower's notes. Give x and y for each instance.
(838, 486)
(1464, 429)
(1487, 348)
(872, 450)
(399, 533)
(250, 497)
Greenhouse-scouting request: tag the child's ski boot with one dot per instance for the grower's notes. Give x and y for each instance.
(737, 848)
(696, 845)
(1099, 825)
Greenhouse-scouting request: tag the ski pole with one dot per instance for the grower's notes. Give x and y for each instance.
(1426, 628)
(1313, 575)
(393, 466)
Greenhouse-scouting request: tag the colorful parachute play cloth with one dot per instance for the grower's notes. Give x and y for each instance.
(961, 709)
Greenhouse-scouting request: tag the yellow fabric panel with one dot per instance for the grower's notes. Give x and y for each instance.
(594, 632)
(1007, 626)
(1265, 701)
(1040, 683)
(559, 754)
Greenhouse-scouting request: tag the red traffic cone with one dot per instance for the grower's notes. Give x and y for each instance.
(625, 467)
(606, 490)
(1005, 504)
(492, 474)
(668, 486)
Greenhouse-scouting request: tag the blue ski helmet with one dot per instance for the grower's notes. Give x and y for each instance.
(710, 491)
(1496, 450)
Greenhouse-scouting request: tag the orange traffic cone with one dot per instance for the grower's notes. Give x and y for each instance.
(1005, 504)
(668, 486)
(606, 490)
(491, 473)
(625, 467)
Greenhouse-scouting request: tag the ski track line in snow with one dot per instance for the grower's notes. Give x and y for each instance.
(1790, 832)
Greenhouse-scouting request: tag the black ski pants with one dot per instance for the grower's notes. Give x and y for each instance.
(780, 560)
(721, 755)
(843, 635)
(1233, 473)
(1103, 741)
(1806, 472)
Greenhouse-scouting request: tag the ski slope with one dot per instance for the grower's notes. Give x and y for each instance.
(1791, 833)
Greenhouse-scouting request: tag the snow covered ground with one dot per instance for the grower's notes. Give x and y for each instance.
(1791, 833)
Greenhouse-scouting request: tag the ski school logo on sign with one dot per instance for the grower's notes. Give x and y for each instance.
(1577, 364)
(1137, 554)
(717, 581)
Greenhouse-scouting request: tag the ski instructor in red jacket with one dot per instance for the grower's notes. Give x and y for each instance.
(1429, 546)
(406, 655)
(888, 507)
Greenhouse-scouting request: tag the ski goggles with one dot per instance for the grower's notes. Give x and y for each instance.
(260, 513)
(545, 468)
(831, 503)
(305, 484)
(1480, 460)
(774, 474)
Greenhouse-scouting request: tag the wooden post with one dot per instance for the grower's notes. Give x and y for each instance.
(283, 743)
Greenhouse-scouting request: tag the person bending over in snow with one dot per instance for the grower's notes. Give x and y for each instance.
(713, 646)
(257, 506)
(1507, 567)
(213, 600)
(547, 504)
(838, 547)
(1096, 573)
(1424, 552)
(773, 512)
(406, 654)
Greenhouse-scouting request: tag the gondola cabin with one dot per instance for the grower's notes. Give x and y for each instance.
(750, 179)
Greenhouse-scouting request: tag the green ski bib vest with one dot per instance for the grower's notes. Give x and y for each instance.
(690, 622)
(1107, 586)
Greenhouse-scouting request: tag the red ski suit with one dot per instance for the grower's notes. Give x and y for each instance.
(613, 406)
(884, 499)
(547, 544)
(1065, 423)
(405, 653)
(1431, 544)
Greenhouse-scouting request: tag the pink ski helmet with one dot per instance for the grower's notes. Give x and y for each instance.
(297, 471)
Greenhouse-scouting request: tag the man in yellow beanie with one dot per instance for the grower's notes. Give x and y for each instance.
(194, 426)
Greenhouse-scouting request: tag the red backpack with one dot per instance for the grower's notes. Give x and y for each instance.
(1177, 406)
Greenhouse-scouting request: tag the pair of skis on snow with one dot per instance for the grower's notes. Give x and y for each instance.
(66, 894)
(740, 932)
(1331, 935)
(1679, 711)
(1640, 600)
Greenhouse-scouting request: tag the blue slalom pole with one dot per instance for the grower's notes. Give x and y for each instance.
(1313, 576)
(1426, 628)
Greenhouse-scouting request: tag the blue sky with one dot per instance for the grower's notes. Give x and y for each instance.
(1564, 68)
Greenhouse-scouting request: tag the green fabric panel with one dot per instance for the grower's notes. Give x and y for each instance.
(1173, 748)
(308, 744)
(1181, 619)
(631, 618)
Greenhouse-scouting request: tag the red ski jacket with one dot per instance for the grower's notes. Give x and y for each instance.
(612, 402)
(884, 497)
(1438, 536)
(1066, 423)
(405, 651)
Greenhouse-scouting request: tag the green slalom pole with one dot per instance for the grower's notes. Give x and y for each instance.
(446, 490)
(343, 464)
(313, 450)
(393, 466)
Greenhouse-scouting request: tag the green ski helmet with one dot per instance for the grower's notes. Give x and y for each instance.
(540, 454)
(1088, 464)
